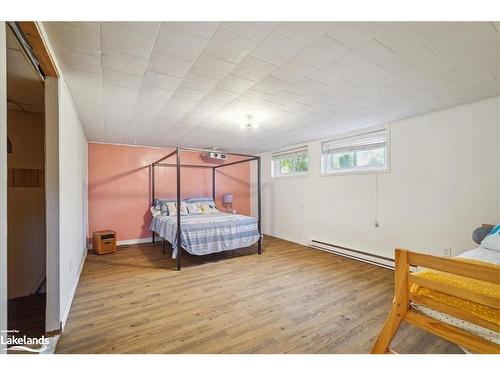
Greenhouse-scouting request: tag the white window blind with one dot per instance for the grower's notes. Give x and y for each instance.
(359, 152)
(357, 142)
(290, 152)
(290, 162)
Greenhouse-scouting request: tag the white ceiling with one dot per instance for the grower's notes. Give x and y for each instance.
(24, 85)
(194, 83)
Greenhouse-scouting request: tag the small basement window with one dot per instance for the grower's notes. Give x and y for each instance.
(292, 162)
(361, 152)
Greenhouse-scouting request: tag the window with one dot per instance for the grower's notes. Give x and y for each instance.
(360, 152)
(291, 162)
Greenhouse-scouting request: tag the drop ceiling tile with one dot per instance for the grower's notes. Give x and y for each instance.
(188, 94)
(82, 78)
(167, 64)
(211, 67)
(118, 103)
(124, 63)
(322, 52)
(133, 38)
(293, 71)
(256, 31)
(221, 95)
(208, 106)
(285, 97)
(80, 61)
(198, 82)
(65, 36)
(443, 44)
(145, 109)
(354, 34)
(403, 33)
(161, 81)
(253, 97)
(304, 32)
(393, 75)
(333, 73)
(178, 105)
(89, 26)
(234, 83)
(229, 46)
(204, 29)
(306, 86)
(270, 85)
(276, 49)
(176, 42)
(122, 79)
(155, 94)
(253, 69)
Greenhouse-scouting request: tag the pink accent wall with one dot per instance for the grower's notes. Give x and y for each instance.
(120, 187)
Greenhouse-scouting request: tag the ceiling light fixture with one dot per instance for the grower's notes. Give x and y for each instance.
(249, 124)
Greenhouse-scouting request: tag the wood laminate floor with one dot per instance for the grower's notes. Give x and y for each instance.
(290, 299)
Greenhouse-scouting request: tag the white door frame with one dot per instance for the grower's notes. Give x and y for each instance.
(53, 310)
(3, 187)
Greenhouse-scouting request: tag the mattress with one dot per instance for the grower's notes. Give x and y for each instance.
(490, 314)
(207, 234)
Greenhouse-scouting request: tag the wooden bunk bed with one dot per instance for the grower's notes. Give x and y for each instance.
(405, 300)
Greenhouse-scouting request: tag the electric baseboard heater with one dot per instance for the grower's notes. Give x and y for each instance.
(362, 256)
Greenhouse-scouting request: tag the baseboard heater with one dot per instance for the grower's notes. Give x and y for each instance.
(362, 256)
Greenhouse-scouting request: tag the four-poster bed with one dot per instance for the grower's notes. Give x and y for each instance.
(177, 231)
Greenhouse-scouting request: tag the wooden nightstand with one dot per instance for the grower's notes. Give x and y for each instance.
(104, 241)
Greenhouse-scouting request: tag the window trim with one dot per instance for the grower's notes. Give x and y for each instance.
(361, 170)
(290, 151)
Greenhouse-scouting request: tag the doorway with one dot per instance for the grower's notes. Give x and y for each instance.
(26, 212)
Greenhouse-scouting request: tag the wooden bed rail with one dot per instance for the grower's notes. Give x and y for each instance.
(402, 311)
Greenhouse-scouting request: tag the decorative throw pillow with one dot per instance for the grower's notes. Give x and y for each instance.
(208, 208)
(492, 240)
(172, 208)
(194, 209)
(161, 205)
(155, 212)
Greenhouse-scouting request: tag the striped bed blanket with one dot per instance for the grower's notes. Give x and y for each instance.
(207, 234)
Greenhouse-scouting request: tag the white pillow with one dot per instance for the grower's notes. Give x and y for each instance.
(172, 208)
(194, 209)
(492, 240)
(155, 212)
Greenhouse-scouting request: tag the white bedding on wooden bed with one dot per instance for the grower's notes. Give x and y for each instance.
(481, 254)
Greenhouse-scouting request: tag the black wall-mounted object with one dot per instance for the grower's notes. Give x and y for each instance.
(9, 146)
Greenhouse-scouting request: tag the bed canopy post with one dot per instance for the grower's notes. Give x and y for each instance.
(179, 245)
(153, 196)
(213, 183)
(259, 245)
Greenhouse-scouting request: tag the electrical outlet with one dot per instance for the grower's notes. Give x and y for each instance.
(70, 266)
(447, 252)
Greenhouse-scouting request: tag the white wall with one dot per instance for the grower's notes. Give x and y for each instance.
(3, 185)
(69, 205)
(444, 182)
(72, 198)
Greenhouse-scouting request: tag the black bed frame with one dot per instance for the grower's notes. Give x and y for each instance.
(178, 165)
